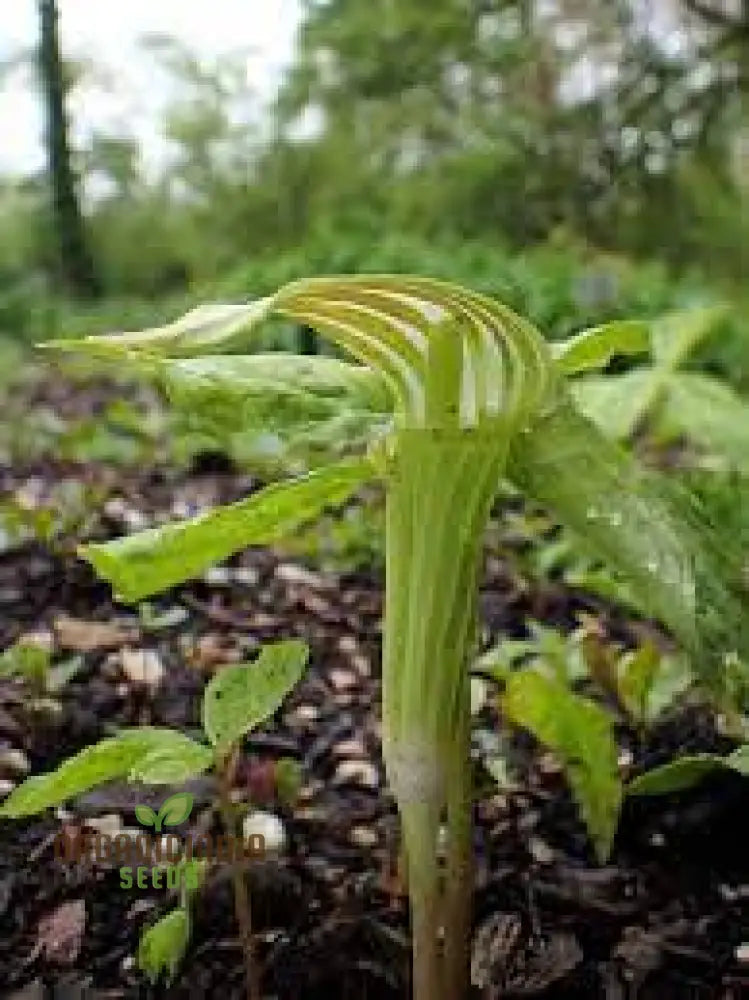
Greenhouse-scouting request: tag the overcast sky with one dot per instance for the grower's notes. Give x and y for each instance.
(107, 32)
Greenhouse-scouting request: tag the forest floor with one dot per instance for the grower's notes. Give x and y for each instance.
(665, 918)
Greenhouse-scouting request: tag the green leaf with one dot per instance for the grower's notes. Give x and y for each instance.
(172, 766)
(596, 347)
(163, 946)
(146, 816)
(636, 673)
(305, 401)
(685, 772)
(29, 660)
(581, 733)
(239, 698)
(143, 564)
(202, 330)
(709, 413)
(617, 403)
(677, 775)
(114, 757)
(175, 809)
(656, 534)
(677, 335)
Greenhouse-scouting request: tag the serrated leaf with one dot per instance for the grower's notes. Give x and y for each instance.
(114, 757)
(677, 775)
(150, 561)
(594, 348)
(175, 809)
(581, 734)
(172, 766)
(239, 698)
(145, 815)
(163, 946)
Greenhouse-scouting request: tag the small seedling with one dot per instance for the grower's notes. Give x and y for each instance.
(236, 700)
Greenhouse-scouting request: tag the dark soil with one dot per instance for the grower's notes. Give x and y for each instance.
(662, 920)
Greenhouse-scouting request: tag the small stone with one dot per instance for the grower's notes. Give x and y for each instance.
(142, 666)
(268, 826)
(657, 839)
(303, 716)
(742, 953)
(479, 694)
(6, 787)
(350, 748)
(300, 576)
(109, 824)
(348, 645)
(626, 759)
(363, 836)
(342, 680)
(14, 763)
(43, 638)
(246, 575)
(356, 772)
(548, 764)
(218, 576)
(540, 851)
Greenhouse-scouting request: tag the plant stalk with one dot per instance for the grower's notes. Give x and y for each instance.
(242, 906)
(440, 490)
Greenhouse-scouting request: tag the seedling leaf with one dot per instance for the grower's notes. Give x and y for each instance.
(114, 757)
(581, 734)
(150, 561)
(238, 698)
(163, 946)
(677, 775)
(171, 766)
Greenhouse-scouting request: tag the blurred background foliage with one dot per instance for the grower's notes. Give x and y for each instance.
(580, 158)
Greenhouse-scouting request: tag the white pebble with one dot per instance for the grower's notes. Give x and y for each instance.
(268, 826)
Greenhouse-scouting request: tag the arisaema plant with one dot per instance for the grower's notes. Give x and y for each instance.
(459, 392)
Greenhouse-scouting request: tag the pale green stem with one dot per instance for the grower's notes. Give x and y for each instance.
(439, 494)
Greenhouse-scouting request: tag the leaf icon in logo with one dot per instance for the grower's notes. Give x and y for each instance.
(175, 810)
(146, 816)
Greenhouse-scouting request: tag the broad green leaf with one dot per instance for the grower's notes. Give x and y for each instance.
(114, 757)
(163, 946)
(617, 403)
(709, 413)
(677, 775)
(153, 560)
(657, 535)
(676, 335)
(172, 766)
(594, 348)
(302, 400)
(146, 816)
(238, 698)
(175, 810)
(581, 733)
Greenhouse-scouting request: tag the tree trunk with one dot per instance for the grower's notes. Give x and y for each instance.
(76, 263)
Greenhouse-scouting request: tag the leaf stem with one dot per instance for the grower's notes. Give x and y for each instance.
(242, 907)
